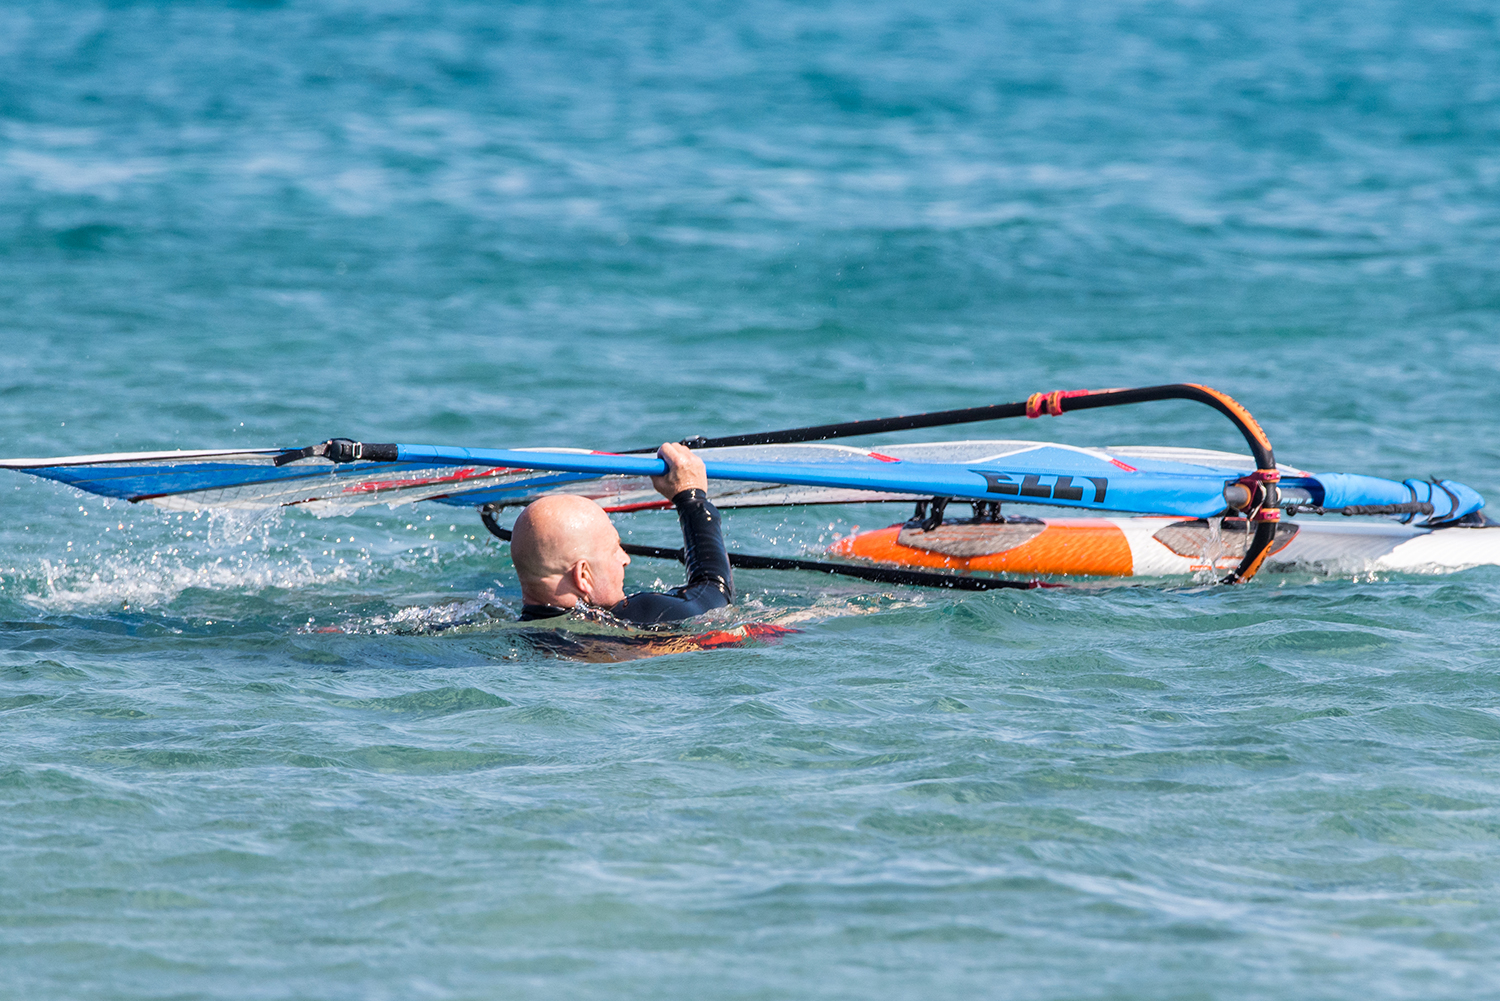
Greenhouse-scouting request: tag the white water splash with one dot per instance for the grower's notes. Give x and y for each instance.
(132, 563)
(123, 581)
(484, 608)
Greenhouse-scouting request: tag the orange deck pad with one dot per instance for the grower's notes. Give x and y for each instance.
(1086, 546)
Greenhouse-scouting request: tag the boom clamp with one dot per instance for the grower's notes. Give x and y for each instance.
(1257, 495)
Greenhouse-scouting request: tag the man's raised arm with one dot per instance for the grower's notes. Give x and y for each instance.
(710, 583)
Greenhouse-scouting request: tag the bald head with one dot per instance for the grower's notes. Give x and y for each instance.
(565, 550)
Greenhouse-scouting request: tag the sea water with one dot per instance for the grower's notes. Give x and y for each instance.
(291, 757)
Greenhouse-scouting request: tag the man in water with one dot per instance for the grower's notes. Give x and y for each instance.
(567, 553)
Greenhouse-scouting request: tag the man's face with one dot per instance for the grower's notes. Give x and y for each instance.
(608, 567)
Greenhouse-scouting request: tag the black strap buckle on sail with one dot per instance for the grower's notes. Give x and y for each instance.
(342, 450)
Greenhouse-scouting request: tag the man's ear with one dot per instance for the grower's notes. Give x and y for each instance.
(583, 579)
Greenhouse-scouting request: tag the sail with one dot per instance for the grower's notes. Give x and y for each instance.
(249, 479)
(1159, 479)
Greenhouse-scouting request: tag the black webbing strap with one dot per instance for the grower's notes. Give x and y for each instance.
(746, 561)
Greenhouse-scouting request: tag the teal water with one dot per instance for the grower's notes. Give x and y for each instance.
(604, 225)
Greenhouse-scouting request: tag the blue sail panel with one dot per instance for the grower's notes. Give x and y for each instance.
(136, 483)
(252, 480)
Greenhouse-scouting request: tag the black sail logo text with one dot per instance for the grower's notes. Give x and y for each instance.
(1031, 485)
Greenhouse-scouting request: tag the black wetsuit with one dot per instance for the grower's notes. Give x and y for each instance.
(709, 581)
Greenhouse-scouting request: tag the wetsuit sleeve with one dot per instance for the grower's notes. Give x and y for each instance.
(703, 542)
(710, 583)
